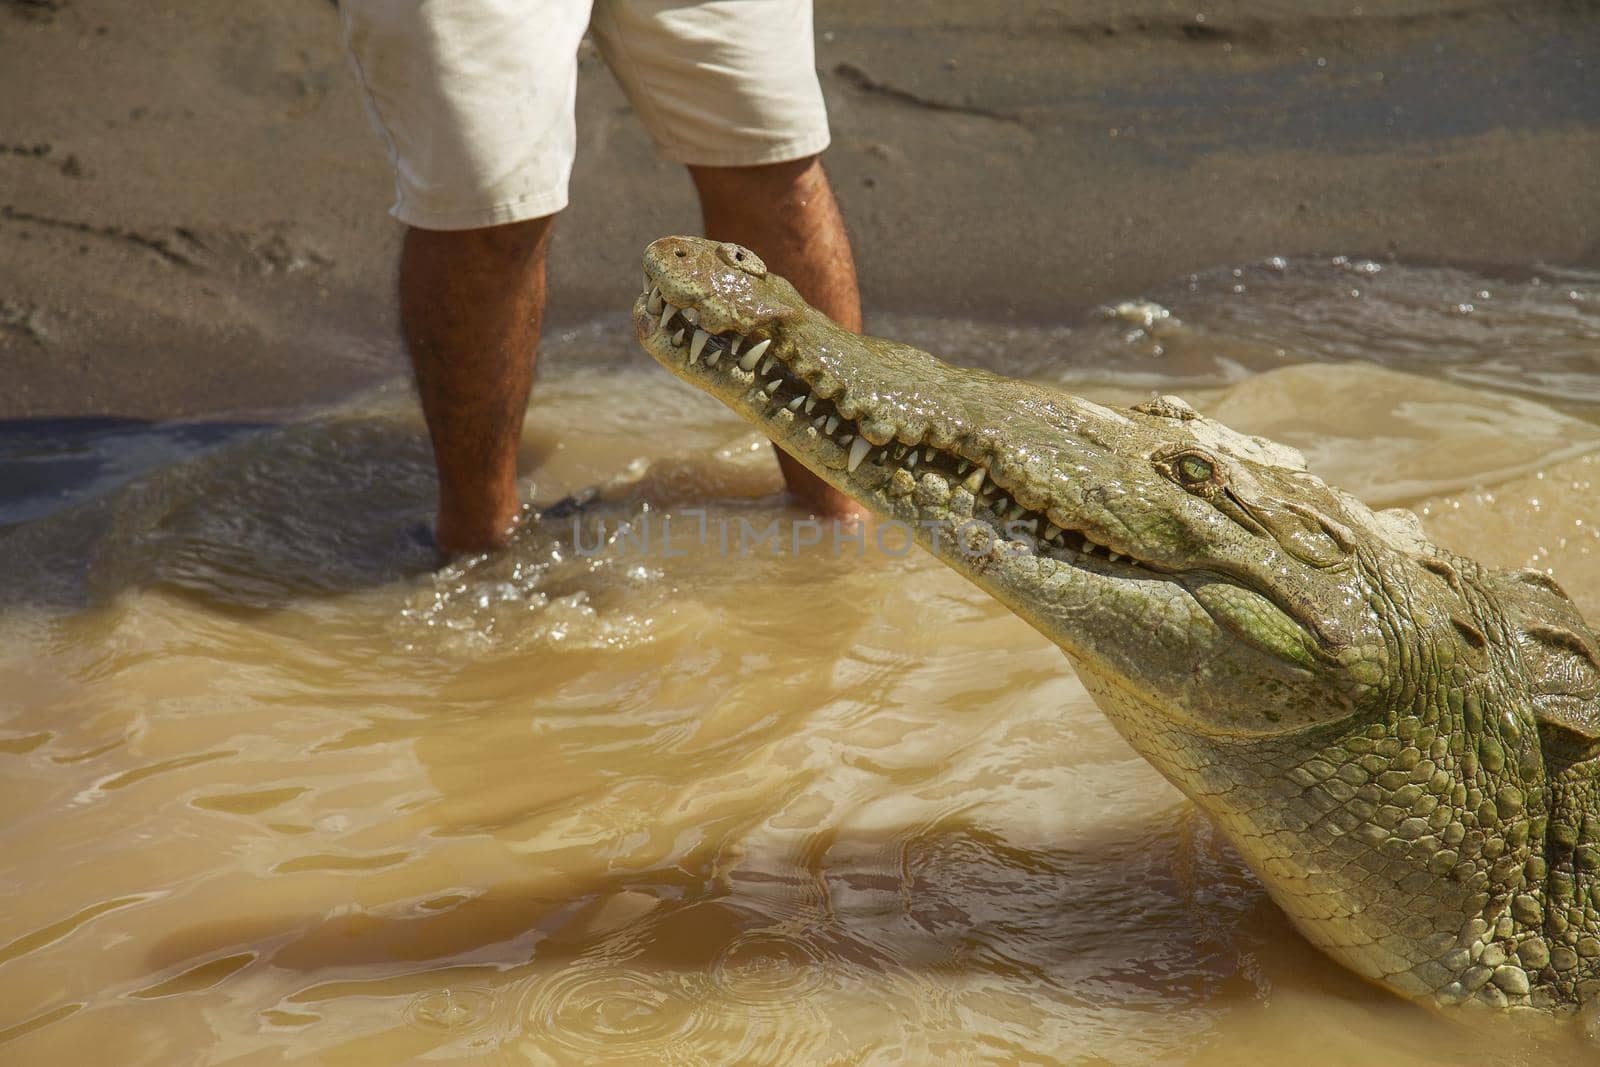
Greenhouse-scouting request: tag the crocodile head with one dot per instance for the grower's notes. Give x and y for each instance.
(1202, 572)
(1359, 711)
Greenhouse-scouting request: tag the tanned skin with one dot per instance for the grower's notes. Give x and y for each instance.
(472, 302)
(787, 215)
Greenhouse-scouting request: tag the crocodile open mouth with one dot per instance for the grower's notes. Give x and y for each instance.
(781, 396)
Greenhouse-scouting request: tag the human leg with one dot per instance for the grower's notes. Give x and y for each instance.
(731, 90)
(471, 302)
(786, 213)
(473, 102)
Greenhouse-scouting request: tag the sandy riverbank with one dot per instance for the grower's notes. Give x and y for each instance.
(192, 206)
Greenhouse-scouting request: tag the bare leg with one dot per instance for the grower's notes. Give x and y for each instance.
(471, 302)
(786, 214)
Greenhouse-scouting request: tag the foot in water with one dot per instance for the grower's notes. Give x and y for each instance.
(457, 536)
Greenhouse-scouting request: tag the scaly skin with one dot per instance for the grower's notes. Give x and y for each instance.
(1399, 741)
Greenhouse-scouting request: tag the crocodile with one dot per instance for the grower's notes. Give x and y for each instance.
(1400, 742)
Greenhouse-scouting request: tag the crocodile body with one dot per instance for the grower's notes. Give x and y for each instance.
(1400, 742)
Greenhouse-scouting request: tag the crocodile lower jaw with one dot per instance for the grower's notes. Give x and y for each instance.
(746, 372)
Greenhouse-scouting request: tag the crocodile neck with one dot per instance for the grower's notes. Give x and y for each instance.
(1415, 855)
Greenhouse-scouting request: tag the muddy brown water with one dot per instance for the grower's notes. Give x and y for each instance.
(275, 792)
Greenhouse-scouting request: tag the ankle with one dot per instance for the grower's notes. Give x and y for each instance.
(472, 531)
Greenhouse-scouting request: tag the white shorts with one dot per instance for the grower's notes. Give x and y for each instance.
(474, 98)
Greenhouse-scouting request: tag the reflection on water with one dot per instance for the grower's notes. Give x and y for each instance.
(46, 464)
(279, 791)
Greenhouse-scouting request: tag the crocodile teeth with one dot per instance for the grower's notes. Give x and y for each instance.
(811, 404)
(794, 405)
(1032, 526)
(766, 368)
(713, 355)
(832, 425)
(1089, 547)
(911, 460)
(771, 387)
(819, 423)
(858, 452)
(733, 348)
(677, 338)
(962, 467)
(691, 316)
(974, 481)
(653, 305)
(699, 342)
(666, 315)
(928, 454)
(757, 350)
(1113, 556)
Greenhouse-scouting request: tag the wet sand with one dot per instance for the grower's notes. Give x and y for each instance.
(195, 179)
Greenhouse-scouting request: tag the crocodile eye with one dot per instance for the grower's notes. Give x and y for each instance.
(1193, 470)
(741, 258)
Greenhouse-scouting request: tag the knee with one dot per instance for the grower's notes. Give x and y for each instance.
(764, 183)
(511, 243)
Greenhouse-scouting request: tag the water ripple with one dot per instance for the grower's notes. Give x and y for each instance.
(768, 969)
(602, 1009)
(452, 1010)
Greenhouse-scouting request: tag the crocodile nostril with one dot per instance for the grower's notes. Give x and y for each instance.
(742, 258)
